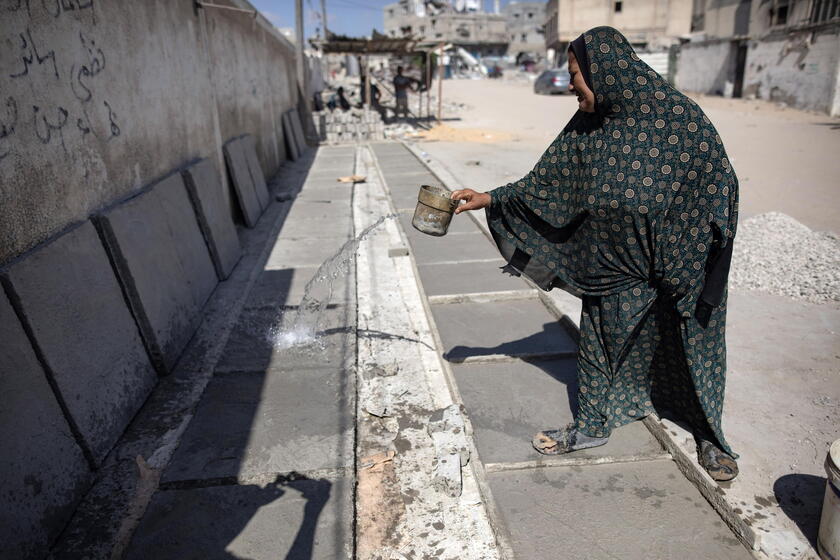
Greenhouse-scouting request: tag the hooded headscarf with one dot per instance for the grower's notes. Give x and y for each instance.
(646, 197)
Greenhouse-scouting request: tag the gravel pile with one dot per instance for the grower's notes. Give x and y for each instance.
(775, 253)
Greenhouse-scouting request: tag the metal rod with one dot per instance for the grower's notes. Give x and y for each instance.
(428, 84)
(324, 19)
(221, 7)
(440, 85)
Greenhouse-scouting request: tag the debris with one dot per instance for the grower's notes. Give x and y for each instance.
(283, 196)
(474, 162)
(377, 459)
(398, 252)
(447, 429)
(352, 179)
(447, 477)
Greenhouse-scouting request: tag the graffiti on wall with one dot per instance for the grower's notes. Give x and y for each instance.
(41, 75)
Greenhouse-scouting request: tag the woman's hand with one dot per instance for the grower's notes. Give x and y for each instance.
(474, 200)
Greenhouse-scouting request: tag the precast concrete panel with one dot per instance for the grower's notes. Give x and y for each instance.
(300, 137)
(71, 301)
(243, 185)
(164, 263)
(43, 471)
(249, 148)
(291, 141)
(208, 198)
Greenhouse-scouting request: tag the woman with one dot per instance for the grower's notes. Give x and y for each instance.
(633, 208)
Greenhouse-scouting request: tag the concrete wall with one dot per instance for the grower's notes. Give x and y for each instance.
(705, 67)
(525, 18)
(99, 98)
(797, 68)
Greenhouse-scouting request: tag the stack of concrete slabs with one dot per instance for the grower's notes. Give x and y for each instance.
(43, 472)
(164, 264)
(72, 305)
(249, 146)
(289, 133)
(208, 198)
(243, 185)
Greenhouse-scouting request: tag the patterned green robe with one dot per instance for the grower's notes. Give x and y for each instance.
(633, 209)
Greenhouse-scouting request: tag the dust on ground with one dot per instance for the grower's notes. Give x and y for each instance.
(446, 133)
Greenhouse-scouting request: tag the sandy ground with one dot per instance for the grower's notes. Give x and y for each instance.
(787, 160)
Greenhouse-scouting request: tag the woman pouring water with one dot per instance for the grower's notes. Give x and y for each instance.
(633, 208)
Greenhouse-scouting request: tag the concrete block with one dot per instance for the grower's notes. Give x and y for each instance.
(243, 185)
(510, 328)
(510, 402)
(164, 263)
(467, 278)
(291, 517)
(43, 471)
(71, 300)
(300, 136)
(211, 209)
(292, 148)
(249, 146)
(251, 424)
(633, 511)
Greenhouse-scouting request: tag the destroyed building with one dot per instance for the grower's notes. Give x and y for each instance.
(525, 28)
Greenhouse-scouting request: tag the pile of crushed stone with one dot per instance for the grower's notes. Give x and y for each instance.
(775, 253)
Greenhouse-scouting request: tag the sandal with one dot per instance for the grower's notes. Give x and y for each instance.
(718, 463)
(564, 440)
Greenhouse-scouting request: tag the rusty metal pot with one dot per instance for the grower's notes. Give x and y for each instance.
(434, 210)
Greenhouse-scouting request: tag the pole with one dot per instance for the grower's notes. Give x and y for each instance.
(301, 75)
(324, 19)
(428, 84)
(440, 85)
(367, 82)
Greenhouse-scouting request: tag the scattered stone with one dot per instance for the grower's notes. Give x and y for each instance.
(398, 252)
(775, 253)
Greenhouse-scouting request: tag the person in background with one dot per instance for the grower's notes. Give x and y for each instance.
(402, 84)
(633, 208)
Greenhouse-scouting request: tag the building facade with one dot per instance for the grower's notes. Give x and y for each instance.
(525, 27)
(786, 51)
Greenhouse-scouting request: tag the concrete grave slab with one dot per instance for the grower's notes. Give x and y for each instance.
(73, 304)
(249, 147)
(317, 218)
(292, 149)
(467, 278)
(43, 471)
(510, 402)
(243, 185)
(511, 328)
(276, 288)
(168, 286)
(211, 209)
(632, 511)
(289, 518)
(429, 249)
(251, 347)
(300, 136)
(303, 252)
(251, 424)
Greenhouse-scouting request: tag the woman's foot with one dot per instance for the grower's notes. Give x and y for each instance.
(564, 440)
(718, 463)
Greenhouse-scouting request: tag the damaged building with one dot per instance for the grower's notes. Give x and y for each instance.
(786, 51)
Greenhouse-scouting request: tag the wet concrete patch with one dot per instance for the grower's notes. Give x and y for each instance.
(632, 511)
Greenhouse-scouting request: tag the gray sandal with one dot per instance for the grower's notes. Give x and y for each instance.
(720, 465)
(564, 440)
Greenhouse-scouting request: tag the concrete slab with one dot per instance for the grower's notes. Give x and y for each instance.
(510, 402)
(300, 136)
(164, 264)
(302, 252)
(511, 328)
(313, 218)
(280, 420)
(294, 519)
(214, 219)
(250, 347)
(282, 287)
(467, 278)
(248, 145)
(292, 148)
(43, 472)
(632, 511)
(452, 248)
(73, 304)
(243, 185)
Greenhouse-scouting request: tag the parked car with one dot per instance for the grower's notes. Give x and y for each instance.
(555, 80)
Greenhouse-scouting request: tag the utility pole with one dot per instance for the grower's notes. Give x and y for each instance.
(324, 19)
(301, 73)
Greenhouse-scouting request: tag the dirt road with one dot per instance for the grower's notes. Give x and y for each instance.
(786, 160)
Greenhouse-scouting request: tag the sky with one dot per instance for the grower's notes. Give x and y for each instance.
(346, 17)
